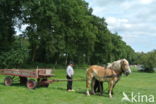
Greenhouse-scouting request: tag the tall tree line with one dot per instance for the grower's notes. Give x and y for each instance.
(147, 60)
(59, 31)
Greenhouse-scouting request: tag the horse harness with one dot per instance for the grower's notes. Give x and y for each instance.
(111, 76)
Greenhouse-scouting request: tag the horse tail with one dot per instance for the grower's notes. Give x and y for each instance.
(89, 76)
(88, 80)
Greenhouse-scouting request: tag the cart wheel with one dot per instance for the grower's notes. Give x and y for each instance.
(8, 81)
(31, 84)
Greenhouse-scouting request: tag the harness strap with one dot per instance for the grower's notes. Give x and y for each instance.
(111, 76)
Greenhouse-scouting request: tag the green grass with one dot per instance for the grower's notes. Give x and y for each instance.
(143, 83)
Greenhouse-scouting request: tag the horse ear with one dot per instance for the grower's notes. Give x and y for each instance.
(122, 61)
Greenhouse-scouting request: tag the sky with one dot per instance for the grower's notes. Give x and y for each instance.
(133, 20)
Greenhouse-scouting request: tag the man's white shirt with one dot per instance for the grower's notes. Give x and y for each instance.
(70, 71)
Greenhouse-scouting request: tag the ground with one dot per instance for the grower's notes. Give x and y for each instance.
(138, 83)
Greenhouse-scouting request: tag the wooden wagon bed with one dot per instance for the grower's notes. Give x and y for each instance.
(38, 73)
(40, 76)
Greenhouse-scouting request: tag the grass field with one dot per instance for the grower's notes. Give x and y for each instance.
(137, 82)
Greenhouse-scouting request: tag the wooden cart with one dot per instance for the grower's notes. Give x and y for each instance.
(31, 78)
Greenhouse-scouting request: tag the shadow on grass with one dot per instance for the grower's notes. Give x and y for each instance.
(96, 94)
(59, 88)
(82, 91)
(15, 84)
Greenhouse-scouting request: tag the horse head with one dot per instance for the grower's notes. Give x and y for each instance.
(125, 67)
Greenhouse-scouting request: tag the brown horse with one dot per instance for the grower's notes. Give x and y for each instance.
(111, 74)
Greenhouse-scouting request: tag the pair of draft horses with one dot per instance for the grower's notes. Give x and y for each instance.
(110, 74)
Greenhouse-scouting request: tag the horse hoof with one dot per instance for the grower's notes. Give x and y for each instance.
(100, 94)
(93, 93)
(110, 96)
(88, 94)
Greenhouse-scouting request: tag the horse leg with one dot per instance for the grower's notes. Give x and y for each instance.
(114, 85)
(101, 88)
(88, 83)
(110, 89)
(92, 86)
(96, 86)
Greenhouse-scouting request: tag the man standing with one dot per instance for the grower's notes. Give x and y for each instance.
(98, 87)
(70, 73)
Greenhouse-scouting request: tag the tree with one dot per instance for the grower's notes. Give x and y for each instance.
(147, 60)
(59, 31)
(17, 56)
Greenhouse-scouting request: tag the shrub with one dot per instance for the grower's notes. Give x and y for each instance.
(13, 58)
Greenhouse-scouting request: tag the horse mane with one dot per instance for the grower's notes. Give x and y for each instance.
(115, 65)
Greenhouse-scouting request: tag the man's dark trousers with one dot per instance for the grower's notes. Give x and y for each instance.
(69, 82)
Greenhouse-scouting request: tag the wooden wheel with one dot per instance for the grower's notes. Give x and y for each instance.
(8, 81)
(31, 84)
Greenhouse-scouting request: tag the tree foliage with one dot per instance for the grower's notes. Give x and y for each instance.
(59, 31)
(16, 56)
(148, 60)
